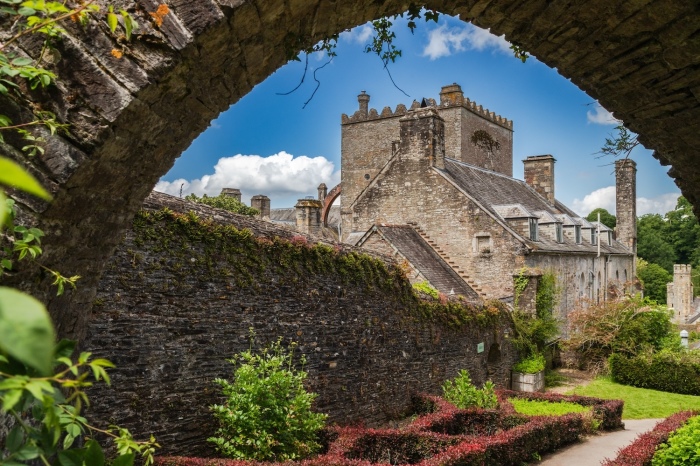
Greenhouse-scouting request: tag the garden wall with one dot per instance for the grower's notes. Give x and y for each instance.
(180, 294)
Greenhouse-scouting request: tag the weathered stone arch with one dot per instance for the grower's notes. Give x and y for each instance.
(131, 117)
(328, 202)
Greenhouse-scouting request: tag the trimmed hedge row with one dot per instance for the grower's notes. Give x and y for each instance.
(446, 436)
(642, 450)
(660, 371)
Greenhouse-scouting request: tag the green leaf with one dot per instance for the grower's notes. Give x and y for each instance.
(94, 455)
(26, 11)
(124, 460)
(21, 61)
(112, 21)
(10, 399)
(13, 175)
(3, 216)
(26, 332)
(14, 439)
(27, 452)
(5, 120)
(71, 458)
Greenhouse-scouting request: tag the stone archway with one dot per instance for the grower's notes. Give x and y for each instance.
(328, 202)
(131, 117)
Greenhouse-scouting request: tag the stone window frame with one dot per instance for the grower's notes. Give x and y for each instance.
(594, 236)
(578, 237)
(559, 232)
(486, 251)
(533, 227)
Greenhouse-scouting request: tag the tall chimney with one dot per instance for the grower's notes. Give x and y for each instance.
(539, 174)
(262, 204)
(232, 192)
(451, 95)
(308, 213)
(422, 135)
(322, 191)
(626, 202)
(363, 99)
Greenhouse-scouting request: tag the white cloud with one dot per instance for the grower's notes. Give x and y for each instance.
(443, 41)
(360, 34)
(600, 116)
(605, 198)
(279, 176)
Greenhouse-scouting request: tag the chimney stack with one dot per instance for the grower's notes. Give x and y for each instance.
(232, 192)
(539, 174)
(262, 204)
(322, 192)
(363, 99)
(422, 135)
(308, 213)
(451, 95)
(626, 203)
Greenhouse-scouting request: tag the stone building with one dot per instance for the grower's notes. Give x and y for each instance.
(679, 295)
(438, 177)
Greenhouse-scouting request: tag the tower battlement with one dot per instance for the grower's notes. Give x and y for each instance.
(456, 99)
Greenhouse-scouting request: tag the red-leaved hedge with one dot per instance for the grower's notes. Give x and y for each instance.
(446, 435)
(641, 451)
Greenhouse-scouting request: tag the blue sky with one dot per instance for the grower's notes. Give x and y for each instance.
(269, 144)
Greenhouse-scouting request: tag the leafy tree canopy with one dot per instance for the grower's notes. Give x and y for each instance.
(606, 217)
(222, 201)
(654, 278)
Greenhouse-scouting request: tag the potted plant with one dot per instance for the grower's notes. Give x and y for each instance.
(528, 374)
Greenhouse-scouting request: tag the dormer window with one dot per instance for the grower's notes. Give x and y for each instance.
(577, 233)
(560, 232)
(533, 229)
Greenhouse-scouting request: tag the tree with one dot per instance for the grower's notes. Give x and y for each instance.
(684, 232)
(606, 218)
(222, 201)
(652, 242)
(654, 278)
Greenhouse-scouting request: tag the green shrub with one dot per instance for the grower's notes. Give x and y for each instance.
(681, 447)
(530, 365)
(546, 408)
(463, 394)
(267, 414)
(675, 372)
(222, 201)
(424, 287)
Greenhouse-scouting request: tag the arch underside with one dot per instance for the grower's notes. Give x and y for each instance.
(131, 118)
(328, 202)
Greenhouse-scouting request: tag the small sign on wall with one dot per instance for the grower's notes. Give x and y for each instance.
(480, 348)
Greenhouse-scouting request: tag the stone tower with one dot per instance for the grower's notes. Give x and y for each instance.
(539, 173)
(679, 294)
(626, 203)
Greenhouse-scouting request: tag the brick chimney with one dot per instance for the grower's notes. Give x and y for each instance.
(363, 99)
(539, 174)
(308, 213)
(262, 203)
(626, 202)
(422, 135)
(232, 192)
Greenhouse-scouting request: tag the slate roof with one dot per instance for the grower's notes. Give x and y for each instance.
(287, 215)
(422, 256)
(496, 192)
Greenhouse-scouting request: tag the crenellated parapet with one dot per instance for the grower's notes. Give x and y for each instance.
(450, 96)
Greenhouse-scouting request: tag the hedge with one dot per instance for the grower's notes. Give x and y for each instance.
(641, 451)
(443, 435)
(667, 372)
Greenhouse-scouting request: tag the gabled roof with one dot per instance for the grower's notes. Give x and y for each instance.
(546, 217)
(567, 220)
(506, 197)
(422, 257)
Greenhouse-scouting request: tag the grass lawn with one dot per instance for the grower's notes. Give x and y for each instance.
(640, 403)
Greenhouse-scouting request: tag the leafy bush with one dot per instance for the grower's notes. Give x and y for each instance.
(533, 332)
(666, 371)
(641, 451)
(628, 326)
(222, 201)
(530, 365)
(681, 447)
(464, 394)
(425, 288)
(546, 408)
(267, 414)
